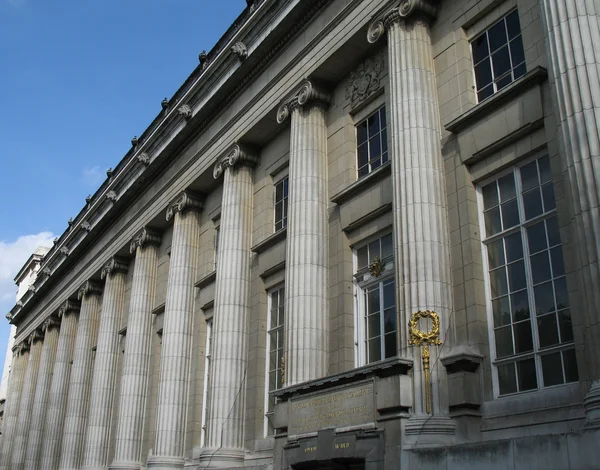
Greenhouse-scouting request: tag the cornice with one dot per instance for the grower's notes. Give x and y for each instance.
(144, 237)
(184, 202)
(237, 155)
(89, 288)
(67, 307)
(308, 92)
(402, 10)
(113, 266)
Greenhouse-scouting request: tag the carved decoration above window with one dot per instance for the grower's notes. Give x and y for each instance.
(365, 79)
(240, 50)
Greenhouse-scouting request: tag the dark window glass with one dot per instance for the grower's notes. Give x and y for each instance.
(371, 143)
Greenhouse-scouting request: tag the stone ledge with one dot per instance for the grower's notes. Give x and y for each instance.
(363, 183)
(206, 280)
(488, 106)
(270, 241)
(364, 220)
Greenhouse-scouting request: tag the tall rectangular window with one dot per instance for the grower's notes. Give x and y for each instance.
(498, 56)
(275, 337)
(376, 325)
(281, 202)
(217, 234)
(532, 335)
(371, 141)
(206, 393)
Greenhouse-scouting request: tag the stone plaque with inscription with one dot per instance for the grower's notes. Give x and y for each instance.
(333, 408)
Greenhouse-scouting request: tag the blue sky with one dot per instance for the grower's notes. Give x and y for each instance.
(79, 79)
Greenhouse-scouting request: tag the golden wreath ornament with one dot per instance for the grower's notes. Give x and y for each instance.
(425, 338)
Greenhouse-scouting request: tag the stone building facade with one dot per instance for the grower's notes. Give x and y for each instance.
(362, 234)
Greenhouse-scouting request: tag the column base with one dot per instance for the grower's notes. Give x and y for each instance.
(125, 466)
(158, 462)
(428, 431)
(221, 458)
(591, 403)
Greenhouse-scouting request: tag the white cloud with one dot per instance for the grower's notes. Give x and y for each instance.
(13, 256)
(93, 176)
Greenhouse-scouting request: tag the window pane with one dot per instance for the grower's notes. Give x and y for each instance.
(504, 344)
(562, 296)
(514, 247)
(519, 71)
(382, 119)
(523, 337)
(526, 373)
(536, 237)
(532, 202)
(498, 282)
(384, 146)
(552, 369)
(516, 276)
(483, 74)
(492, 221)
(361, 133)
(548, 196)
(540, 267)
(480, 48)
(490, 195)
(485, 93)
(374, 350)
(507, 187)
(373, 300)
(504, 81)
(501, 61)
(566, 326)
(496, 254)
(387, 246)
(544, 298)
(553, 233)
(373, 326)
(390, 345)
(374, 251)
(570, 363)
(373, 123)
(362, 257)
(548, 330)
(510, 214)
(529, 176)
(375, 147)
(389, 320)
(516, 51)
(501, 309)
(388, 295)
(278, 192)
(375, 163)
(512, 24)
(544, 165)
(497, 36)
(507, 379)
(558, 265)
(520, 305)
(363, 155)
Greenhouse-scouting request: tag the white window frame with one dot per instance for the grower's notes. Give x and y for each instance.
(378, 110)
(521, 228)
(360, 353)
(285, 201)
(271, 291)
(207, 365)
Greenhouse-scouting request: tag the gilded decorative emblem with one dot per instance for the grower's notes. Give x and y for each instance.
(376, 267)
(282, 370)
(425, 338)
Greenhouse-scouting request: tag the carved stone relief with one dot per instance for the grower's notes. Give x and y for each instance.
(365, 79)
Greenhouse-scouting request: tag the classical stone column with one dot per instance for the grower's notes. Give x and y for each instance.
(40, 401)
(26, 402)
(104, 379)
(176, 352)
(81, 375)
(306, 319)
(136, 363)
(573, 32)
(59, 388)
(225, 445)
(11, 412)
(420, 215)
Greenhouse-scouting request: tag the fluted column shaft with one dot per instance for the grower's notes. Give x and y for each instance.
(136, 363)
(40, 402)
(59, 388)
(176, 351)
(26, 403)
(307, 241)
(80, 381)
(573, 29)
(104, 379)
(230, 333)
(421, 239)
(11, 412)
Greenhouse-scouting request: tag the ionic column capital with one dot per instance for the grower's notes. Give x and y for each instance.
(50, 323)
(89, 288)
(307, 92)
(113, 266)
(237, 155)
(68, 306)
(401, 11)
(145, 237)
(184, 202)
